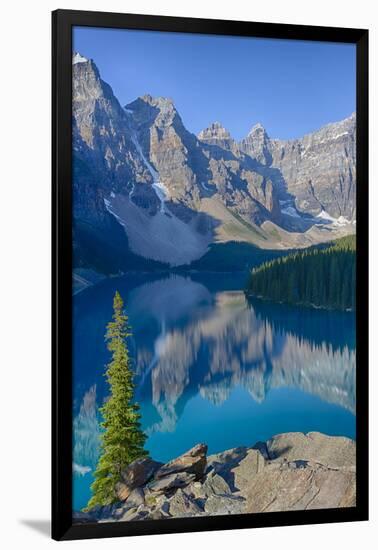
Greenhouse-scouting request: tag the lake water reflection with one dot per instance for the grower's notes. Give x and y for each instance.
(212, 367)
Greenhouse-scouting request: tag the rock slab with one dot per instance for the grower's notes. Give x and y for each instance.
(291, 471)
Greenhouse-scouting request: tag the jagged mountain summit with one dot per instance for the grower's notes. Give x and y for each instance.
(257, 145)
(217, 135)
(148, 190)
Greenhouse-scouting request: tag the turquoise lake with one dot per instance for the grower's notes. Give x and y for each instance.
(211, 366)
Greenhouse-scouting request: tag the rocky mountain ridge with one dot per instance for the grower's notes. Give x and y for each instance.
(147, 184)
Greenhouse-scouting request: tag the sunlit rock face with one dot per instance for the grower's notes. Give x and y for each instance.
(320, 169)
(170, 148)
(257, 145)
(217, 135)
(105, 157)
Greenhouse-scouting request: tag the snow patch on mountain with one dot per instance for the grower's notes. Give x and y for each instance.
(288, 208)
(160, 237)
(205, 187)
(325, 216)
(162, 193)
(77, 58)
(158, 186)
(290, 211)
(338, 222)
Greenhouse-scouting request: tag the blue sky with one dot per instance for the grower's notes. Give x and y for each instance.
(291, 87)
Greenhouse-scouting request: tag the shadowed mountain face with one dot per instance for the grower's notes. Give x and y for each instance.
(150, 188)
(320, 169)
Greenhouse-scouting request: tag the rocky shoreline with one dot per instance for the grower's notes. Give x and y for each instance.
(291, 471)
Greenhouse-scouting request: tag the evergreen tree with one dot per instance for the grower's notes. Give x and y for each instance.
(318, 276)
(122, 438)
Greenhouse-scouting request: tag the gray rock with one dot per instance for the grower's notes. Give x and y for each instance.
(172, 481)
(300, 464)
(181, 505)
(331, 451)
(249, 466)
(261, 446)
(164, 505)
(83, 517)
(128, 513)
(158, 510)
(137, 474)
(157, 514)
(231, 457)
(195, 490)
(103, 512)
(135, 514)
(236, 466)
(306, 472)
(291, 471)
(224, 505)
(282, 489)
(214, 484)
(136, 497)
(192, 462)
(121, 510)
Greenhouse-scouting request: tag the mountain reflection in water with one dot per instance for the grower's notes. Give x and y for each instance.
(212, 367)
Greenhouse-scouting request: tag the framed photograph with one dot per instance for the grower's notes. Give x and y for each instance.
(210, 274)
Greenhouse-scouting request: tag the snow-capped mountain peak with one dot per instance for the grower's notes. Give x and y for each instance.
(78, 58)
(258, 127)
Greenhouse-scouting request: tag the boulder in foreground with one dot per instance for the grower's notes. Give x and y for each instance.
(191, 462)
(292, 471)
(136, 474)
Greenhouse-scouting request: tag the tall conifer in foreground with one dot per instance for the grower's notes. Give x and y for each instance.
(123, 439)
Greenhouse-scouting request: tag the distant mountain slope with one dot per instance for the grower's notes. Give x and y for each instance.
(320, 169)
(146, 187)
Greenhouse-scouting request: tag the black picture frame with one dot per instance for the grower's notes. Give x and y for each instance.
(62, 23)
